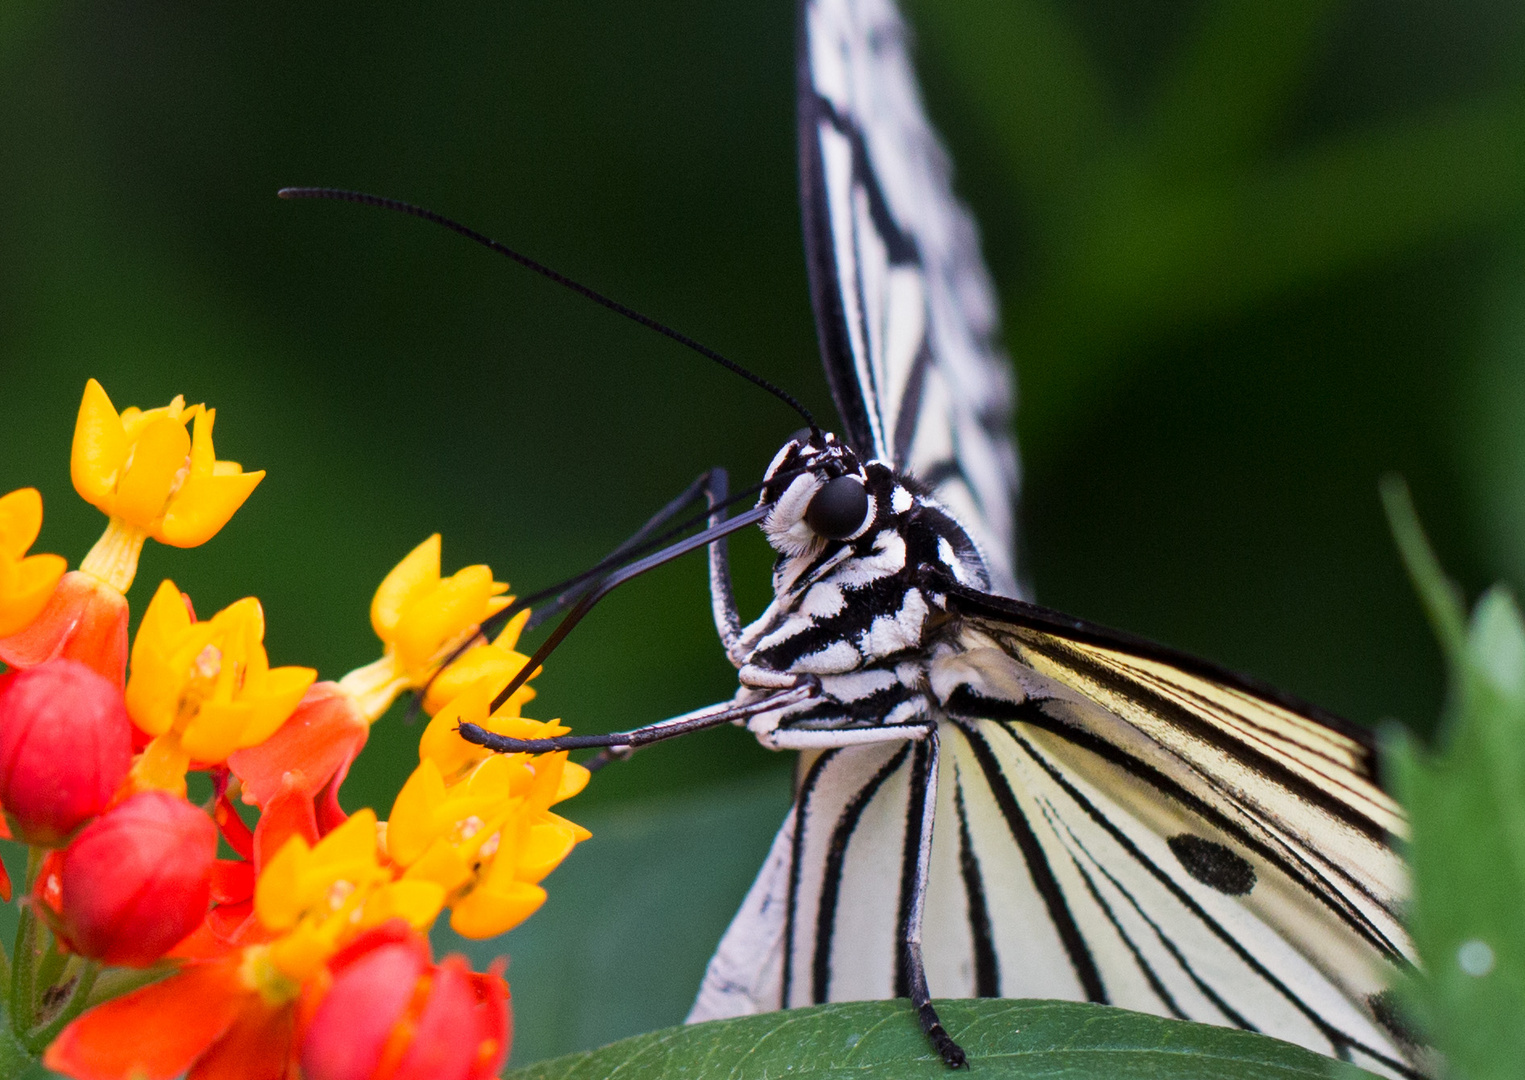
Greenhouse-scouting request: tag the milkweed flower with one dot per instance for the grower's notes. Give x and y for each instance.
(26, 581)
(420, 617)
(65, 748)
(134, 882)
(152, 478)
(204, 689)
(318, 897)
(479, 825)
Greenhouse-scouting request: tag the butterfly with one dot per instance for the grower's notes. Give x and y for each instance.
(994, 799)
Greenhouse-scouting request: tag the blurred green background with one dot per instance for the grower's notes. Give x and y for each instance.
(1251, 256)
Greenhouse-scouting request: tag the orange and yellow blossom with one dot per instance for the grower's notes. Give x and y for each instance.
(318, 898)
(421, 617)
(204, 689)
(26, 581)
(152, 478)
(479, 824)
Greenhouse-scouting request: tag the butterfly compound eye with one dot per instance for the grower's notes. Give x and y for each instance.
(837, 509)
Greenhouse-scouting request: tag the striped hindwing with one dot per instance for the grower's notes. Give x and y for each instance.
(904, 308)
(1114, 823)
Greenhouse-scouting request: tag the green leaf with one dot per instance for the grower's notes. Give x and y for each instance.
(1026, 1039)
(1466, 808)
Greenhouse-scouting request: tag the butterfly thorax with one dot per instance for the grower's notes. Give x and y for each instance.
(860, 614)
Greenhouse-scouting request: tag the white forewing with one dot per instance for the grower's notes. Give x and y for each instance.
(906, 311)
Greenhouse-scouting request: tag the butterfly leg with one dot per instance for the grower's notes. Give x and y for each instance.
(924, 785)
(698, 720)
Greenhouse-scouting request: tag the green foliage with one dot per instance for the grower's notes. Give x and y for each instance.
(1466, 804)
(1032, 1040)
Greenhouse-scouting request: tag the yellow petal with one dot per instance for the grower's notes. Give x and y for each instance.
(275, 893)
(442, 744)
(100, 447)
(414, 900)
(161, 767)
(546, 844)
(281, 694)
(418, 572)
(574, 778)
(441, 864)
(300, 954)
(153, 690)
(217, 730)
(487, 912)
(512, 629)
(203, 460)
(431, 620)
(28, 586)
(412, 828)
(20, 521)
(158, 458)
(202, 506)
(354, 841)
(494, 778)
(492, 662)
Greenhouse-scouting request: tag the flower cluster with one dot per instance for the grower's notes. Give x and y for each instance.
(302, 947)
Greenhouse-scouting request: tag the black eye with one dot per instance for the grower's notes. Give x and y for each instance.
(802, 436)
(837, 509)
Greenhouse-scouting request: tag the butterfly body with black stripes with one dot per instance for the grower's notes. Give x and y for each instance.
(995, 800)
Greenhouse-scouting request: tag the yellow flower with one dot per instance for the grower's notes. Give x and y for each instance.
(204, 689)
(421, 617)
(318, 898)
(151, 478)
(26, 581)
(488, 839)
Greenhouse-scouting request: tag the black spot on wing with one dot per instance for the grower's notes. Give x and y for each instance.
(1213, 864)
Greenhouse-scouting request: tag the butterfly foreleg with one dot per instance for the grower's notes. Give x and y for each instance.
(711, 716)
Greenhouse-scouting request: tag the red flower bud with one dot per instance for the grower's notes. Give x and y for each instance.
(65, 748)
(385, 1012)
(134, 882)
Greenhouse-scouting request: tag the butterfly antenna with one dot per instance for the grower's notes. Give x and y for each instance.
(365, 199)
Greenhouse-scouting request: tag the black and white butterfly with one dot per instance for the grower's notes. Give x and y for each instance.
(994, 799)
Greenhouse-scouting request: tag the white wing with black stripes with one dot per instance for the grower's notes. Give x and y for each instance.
(904, 308)
(1115, 823)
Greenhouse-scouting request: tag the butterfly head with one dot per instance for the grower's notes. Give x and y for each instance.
(819, 494)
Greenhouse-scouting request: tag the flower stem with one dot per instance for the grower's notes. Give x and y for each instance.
(24, 959)
(114, 558)
(15, 1060)
(79, 996)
